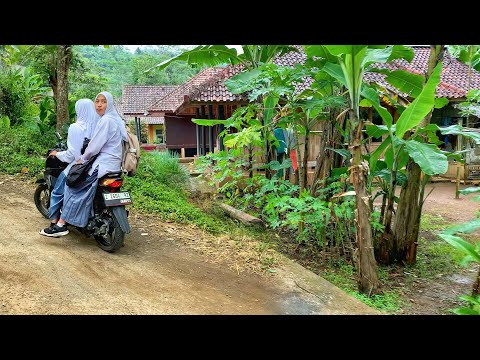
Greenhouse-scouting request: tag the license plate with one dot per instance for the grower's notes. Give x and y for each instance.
(116, 199)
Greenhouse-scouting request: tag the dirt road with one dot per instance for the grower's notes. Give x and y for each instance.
(151, 274)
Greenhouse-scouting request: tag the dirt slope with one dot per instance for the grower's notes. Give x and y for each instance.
(152, 274)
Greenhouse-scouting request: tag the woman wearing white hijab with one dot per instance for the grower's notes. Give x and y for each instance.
(87, 119)
(106, 143)
(83, 128)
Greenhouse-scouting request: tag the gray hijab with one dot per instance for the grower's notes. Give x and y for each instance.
(87, 117)
(112, 112)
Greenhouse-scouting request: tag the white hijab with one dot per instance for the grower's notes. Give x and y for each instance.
(112, 112)
(87, 117)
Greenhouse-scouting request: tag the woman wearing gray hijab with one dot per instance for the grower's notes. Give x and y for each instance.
(82, 128)
(106, 145)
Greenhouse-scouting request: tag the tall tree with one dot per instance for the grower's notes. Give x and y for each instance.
(64, 57)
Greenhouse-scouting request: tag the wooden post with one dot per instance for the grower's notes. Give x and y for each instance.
(210, 129)
(138, 129)
(197, 133)
(182, 153)
(202, 131)
(459, 148)
(221, 116)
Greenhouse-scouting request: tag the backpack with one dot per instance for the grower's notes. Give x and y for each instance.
(130, 154)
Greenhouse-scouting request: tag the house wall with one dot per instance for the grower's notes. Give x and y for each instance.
(180, 132)
(150, 134)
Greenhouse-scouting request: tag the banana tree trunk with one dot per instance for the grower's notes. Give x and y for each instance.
(476, 285)
(367, 267)
(407, 214)
(387, 240)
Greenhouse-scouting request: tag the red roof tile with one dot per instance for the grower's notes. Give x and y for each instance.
(173, 100)
(215, 90)
(137, 98)
(453, 79)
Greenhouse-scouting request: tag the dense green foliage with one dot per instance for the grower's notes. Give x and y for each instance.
(121, 67)
(95, 68)
(471, 253)
(16, 95)
(24, 148)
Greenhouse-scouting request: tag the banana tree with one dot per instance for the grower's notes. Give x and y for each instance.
(407, 225)
(251, 56)
(347, 63)
(398, 151)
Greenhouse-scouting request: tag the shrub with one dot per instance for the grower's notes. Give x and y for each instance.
(22, 147)
(164, 167)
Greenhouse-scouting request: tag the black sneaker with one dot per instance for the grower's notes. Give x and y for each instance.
(55, 231)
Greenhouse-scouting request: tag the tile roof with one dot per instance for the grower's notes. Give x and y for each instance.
(152, 120)
(117, 104)
(176, 98)
(137, 98)
(453, 79)
(215, 90)
(208, 85)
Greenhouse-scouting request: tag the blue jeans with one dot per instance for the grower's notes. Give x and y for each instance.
(56, 197)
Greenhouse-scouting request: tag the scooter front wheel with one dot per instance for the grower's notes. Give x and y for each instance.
(42, 199)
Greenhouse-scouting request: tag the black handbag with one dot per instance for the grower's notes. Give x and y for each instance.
(84, 145)
(78, 172)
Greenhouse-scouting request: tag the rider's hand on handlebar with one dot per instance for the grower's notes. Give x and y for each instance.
(53, 153)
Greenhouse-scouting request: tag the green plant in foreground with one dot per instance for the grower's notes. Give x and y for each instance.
(472, 253)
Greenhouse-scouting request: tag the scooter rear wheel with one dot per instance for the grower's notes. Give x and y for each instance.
(112, 240)
(42, 199)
